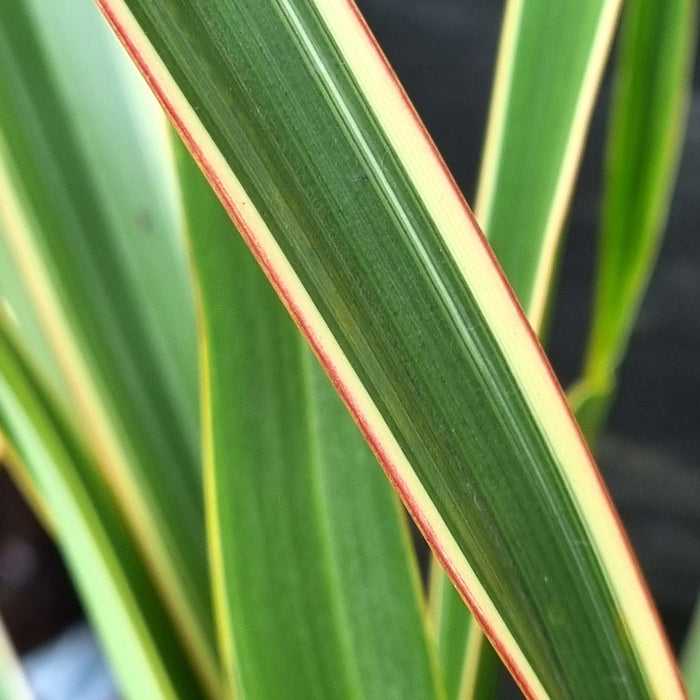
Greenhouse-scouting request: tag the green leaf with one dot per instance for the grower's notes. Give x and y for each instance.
(468, 662)
(691, 656)
(16, 303)
(317, 588)
(647, 127)
(87, 202)
(301, 128)
(13, 683)
(108, 572)
(550, 63)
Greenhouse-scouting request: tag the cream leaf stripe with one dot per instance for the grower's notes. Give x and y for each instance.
(309, 319)
(572, 158)
(470, 251)
(569, 166)
(498, 111)
(530, 368)
(573, 151)
(104, 444)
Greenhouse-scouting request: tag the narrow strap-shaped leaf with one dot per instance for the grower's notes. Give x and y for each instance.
(550, 62)
(314, 150)
(16, 303)
(469, 664)
(13, 683)
(550, 65)
(109, 574)
(100, 256)
(316, 585)
(647, 126)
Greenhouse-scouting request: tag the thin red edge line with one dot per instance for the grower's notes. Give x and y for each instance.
(408, 105)
(287, 298)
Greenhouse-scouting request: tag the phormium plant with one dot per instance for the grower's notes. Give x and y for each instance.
(228, 528)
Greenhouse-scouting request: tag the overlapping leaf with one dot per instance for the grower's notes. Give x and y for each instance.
(315, 153)
(90, 531)
(551, 59)
(87, 209)
(550, 65)
(317, 587)
(647, 125)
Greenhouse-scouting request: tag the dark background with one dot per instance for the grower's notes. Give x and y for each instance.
(444, 53)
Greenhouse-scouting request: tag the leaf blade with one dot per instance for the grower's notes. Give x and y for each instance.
(541, 106)
(109, 574)
(282, 456)
(645, 136)
(113, 303)
(378, 392)
(543, 96)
